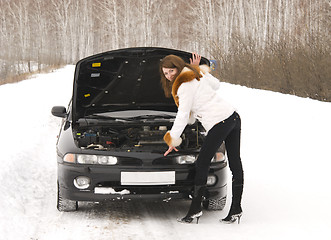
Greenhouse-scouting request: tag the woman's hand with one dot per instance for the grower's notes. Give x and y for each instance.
(170, 150)
(195, 60)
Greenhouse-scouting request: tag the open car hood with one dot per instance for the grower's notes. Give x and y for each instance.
(121, 80)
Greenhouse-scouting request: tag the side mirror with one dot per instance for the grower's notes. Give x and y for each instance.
(59, 111)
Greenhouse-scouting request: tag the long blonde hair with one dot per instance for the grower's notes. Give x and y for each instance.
(173, 61)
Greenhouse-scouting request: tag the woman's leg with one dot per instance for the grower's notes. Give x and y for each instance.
(213, 141)
(232, 144)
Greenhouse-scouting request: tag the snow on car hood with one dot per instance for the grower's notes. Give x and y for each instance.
(120, 80)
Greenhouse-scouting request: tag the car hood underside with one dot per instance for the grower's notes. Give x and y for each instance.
(121, 80)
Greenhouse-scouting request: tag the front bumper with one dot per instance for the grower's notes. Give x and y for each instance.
(105, 182)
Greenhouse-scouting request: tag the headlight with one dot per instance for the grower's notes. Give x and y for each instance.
(87, 159)
(186, 159)
(219, 157)
(107, 160)
(90, 159)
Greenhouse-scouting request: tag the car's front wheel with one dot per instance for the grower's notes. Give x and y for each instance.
(65, 205)
(214, 204)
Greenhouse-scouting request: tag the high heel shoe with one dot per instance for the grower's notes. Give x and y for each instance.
(232, 218)
(235, 209)
(189, 219)
(195, 210)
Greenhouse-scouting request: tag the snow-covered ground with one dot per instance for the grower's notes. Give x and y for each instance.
(285, 153)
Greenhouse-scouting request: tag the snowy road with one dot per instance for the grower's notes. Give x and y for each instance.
(285, 151)
(114, 220)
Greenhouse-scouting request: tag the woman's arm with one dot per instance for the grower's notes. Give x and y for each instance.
(172, 137)
(186, 94)
(213, 81)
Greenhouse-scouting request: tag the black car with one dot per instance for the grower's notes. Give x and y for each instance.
(110, 144)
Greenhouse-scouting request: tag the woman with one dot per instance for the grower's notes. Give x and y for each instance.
(194, 90)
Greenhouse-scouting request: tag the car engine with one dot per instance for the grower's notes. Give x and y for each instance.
(136, 137)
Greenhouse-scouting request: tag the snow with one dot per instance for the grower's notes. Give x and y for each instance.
(285, 154)
(109, 190)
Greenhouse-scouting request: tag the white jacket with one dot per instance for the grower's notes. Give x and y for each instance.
(198, 99)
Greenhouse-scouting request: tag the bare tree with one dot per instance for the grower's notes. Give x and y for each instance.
(243, 35)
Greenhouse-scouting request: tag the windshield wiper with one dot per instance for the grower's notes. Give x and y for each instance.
(161, 116)
(97, 116)
(142, 117)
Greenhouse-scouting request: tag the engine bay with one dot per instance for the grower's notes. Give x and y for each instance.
(138, 137)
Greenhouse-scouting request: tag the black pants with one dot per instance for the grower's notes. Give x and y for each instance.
(229, 132)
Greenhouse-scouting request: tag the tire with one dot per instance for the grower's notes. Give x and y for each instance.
(65, 205)
(214, 204)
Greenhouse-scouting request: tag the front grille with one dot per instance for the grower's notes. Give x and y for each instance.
(130, 162)
(164, 161)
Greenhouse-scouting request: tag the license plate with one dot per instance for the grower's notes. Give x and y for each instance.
(148, 178)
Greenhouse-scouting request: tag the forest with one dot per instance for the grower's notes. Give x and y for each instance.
(278, 45)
